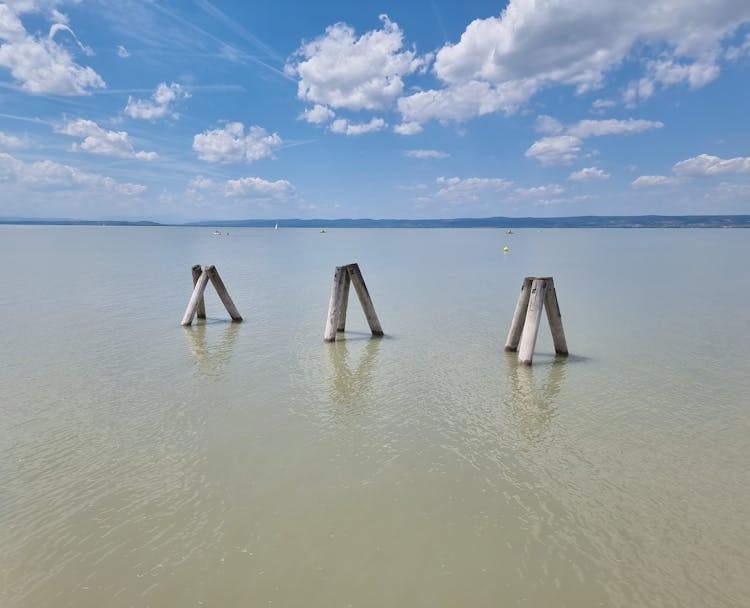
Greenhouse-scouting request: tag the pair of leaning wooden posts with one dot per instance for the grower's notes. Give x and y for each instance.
(537, 293)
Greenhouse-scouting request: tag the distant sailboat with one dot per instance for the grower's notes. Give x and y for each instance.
(276, 227)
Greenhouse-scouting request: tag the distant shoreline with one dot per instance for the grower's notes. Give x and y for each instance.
(591, 221)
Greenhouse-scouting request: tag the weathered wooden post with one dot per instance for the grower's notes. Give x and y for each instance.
(197, 270)
(201, 276)
(337, 305)
(536, 293)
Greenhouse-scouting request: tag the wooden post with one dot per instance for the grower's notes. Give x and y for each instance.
(202, 302)
(344, 302)
(223, 294)
(536, 293)
(338, 303)
(555, 319)
(196, 298)
(364, 299)
(519, 316)
(334, 304)
(533, 317)
(201, 276)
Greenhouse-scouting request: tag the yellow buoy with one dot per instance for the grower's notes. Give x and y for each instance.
(506, 249)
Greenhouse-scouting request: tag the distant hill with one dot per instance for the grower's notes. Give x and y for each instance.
(589, 221)
(586, 221)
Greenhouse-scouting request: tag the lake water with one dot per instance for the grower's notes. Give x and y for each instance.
(147, 464)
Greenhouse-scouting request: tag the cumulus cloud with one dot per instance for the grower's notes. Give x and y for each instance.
(101, 141)
(318, 114)
(589, 174)
(705, 164)
(257, 188)
(564, 149)
(161, 102)
(463, 101)
(342, 125)
(49, 174)
(457, 189)
(555, 150)
(426, 154)
(232, 144)
(39, 63)
(341, 70)
(537, 44)
(253, 189)
(122, 52)
(408, 128)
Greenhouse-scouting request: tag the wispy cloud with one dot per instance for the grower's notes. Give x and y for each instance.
(50, 174)
(426, 154)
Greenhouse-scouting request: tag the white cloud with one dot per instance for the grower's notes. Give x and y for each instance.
(463, 101)
(257, 188)
(342, 71)
(548, 124)
(39, 63)
(249, 189)
(589, 174)
(10, 141)
(122, 52)
(100, 141)
(456, 189)
(342, 125)
(408, 128)
(705, 164)
(591, 128)
(232, 144)
(318, 114)
(426, 154)
(564, 149)
(537, 44)
(49, 174)
(540, 191)
(603, 104)
(654, 180)
(555, 150)
(161, 102)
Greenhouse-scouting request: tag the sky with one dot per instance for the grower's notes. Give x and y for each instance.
(206, 110)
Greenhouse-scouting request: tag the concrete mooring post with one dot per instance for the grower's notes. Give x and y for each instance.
(536, 293)
(337, 305)
(201, 277)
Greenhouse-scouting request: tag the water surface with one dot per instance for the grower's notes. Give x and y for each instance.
(146, 464)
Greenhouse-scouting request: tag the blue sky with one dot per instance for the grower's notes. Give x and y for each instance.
(203, 109)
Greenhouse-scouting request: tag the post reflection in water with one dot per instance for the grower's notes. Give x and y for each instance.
(532, 394)
(350, 384)
(211, 359)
